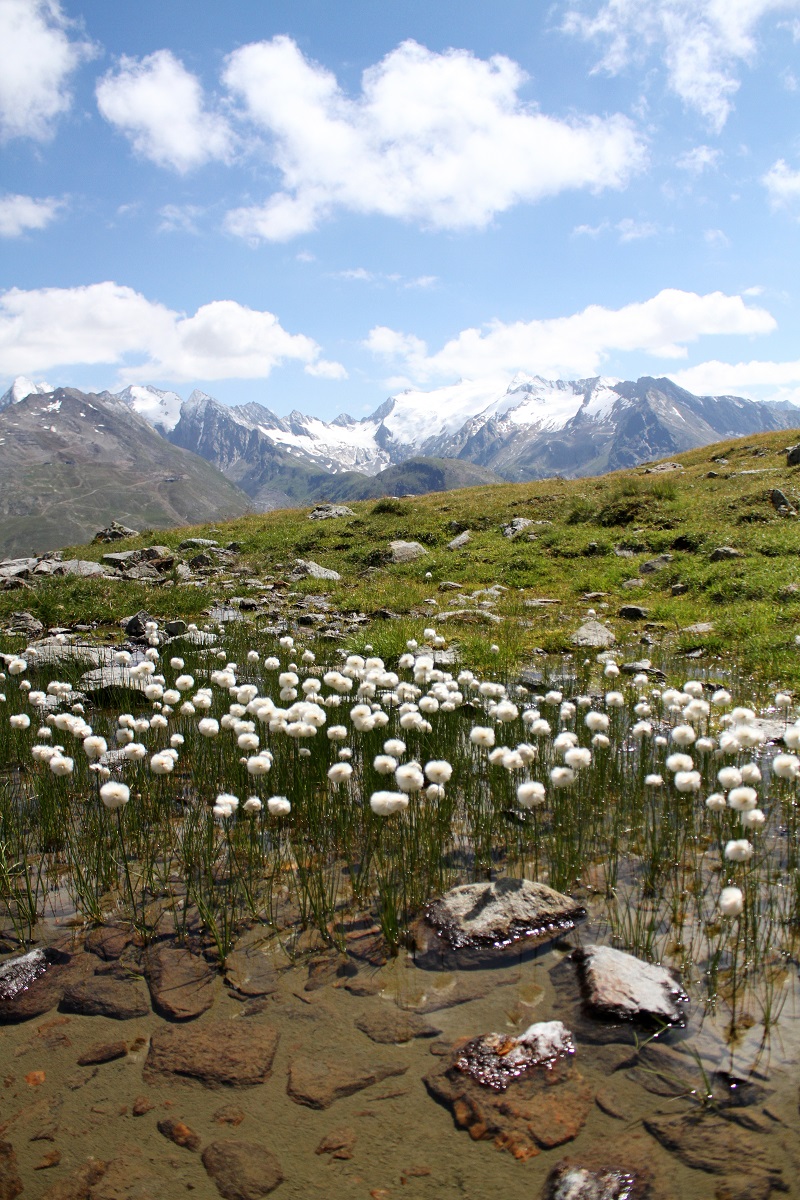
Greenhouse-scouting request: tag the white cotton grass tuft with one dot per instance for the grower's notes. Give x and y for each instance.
(738, 850)
(716, 802)
(562, 777)
(340, 773)
(679, 762)
(530, 794)
(742, 799)
(114, 795)
(482, 736)
(687, 781)
(654, 781)
(438, 771)
(252, 805)
(278, 806)
(786, 766)
(384, 804)
(731, 902)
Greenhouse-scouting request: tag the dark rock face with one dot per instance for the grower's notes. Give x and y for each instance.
(488, 920)
(543, 1106)
(242, 1170)
(215, 1053)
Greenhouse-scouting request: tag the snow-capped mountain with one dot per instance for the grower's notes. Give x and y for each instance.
(22, 387)
(161, 409)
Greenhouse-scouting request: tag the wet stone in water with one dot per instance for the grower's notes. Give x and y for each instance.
(488, 920)
(215, 1053)
(496, 1058)
(579, 1183)
(33, 983)
(618, 985)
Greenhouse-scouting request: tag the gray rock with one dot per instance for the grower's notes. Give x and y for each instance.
(52, 653)
(656, 564)
(780, 502)
(175, 628)
(458, 542)
(722, 553)
(201, 560)
(305, 567)
(25, 622)
(17, 568)
(663, 468)
(135, 626)
(593, 634)
(81, 567)
(793, 456)
(515, 526)
(122, 558)
(471, 616)
(326, 512)
(406, 552)
(104, 679)
(196, 543)
(633, 583)
(619, 986)
(679, 589)
(143, 572)
(633, 612)
(115, 532)
(450, 585)
(480, 921)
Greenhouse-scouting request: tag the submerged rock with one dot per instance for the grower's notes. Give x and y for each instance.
(32, 984)
(542, 1102)
(242, 1170)
(477, 921)
(104, 996)
(215, 1053)
(387, 1026)
(181, 983)
(572, 1182)
(317, 1083)
(620, 986)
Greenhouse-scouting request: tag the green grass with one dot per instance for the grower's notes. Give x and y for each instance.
(585, 524)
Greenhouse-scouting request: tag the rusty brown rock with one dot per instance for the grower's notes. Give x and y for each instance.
(707, 1142)
(181, 983)
(102, 1052)
(339, 1143)
(544, 1107)
(108, 942)
(179, 1133)
(34, 983)
(215, 1053)
(317, 1083)
(78, 1184)
(390, 1026)
(104, 996)
(242, 1170)
(228, 1114)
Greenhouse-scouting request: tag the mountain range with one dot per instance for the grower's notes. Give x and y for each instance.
(175, 459)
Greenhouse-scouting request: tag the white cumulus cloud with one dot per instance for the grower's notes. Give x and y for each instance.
(159, 106)
(756, 380)
(440, 139)
(37, 60)
(703, 43)
(108, 323)
(782, 184)
(576, 345)
(21, 213)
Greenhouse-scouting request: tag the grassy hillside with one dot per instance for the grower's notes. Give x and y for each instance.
(589, 536)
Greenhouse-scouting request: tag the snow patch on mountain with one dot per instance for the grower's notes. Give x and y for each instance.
(161, 409)
(22, 387)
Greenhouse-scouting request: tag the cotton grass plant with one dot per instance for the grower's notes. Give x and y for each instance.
(247, 780)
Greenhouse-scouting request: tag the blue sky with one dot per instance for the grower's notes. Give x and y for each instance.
(315, 205)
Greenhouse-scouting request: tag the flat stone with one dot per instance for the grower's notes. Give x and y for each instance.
(619, 986)
(460, 988)
(51, 652)
(404, 552)
(251, 971)
(103, 679)
(706, 1142)
(79, 566)
(339, 1143)
(181, 983)
(104, 996)
(460, 541)
(102, 1052)
(544, 1106)
(108, 942)
(305, 566)
(477, 921)
(699, 627)
(390, 1026)
(317, 1083)
(663, 468)
(630, 584)
(470, 616)
(196, 543)
(326, 512)
(230, 1053)
(593, 634)
(242, 1170)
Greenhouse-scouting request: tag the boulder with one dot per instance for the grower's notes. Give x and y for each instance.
(305, 567)
(79, 566)
(793, 456)
(406, 552)
(104, 996)
(25, 622)
(135, 626)
(477, 922)
(656, 564)
(516, 526)
(633, 612)
(619, 986)
(723, 553)
(593, 634)
(460, 541)
(33, 983)
(181, 983)
(781, 503)
(104, 679)
(495, 1059)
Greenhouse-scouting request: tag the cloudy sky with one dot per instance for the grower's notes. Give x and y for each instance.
(315, 205)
